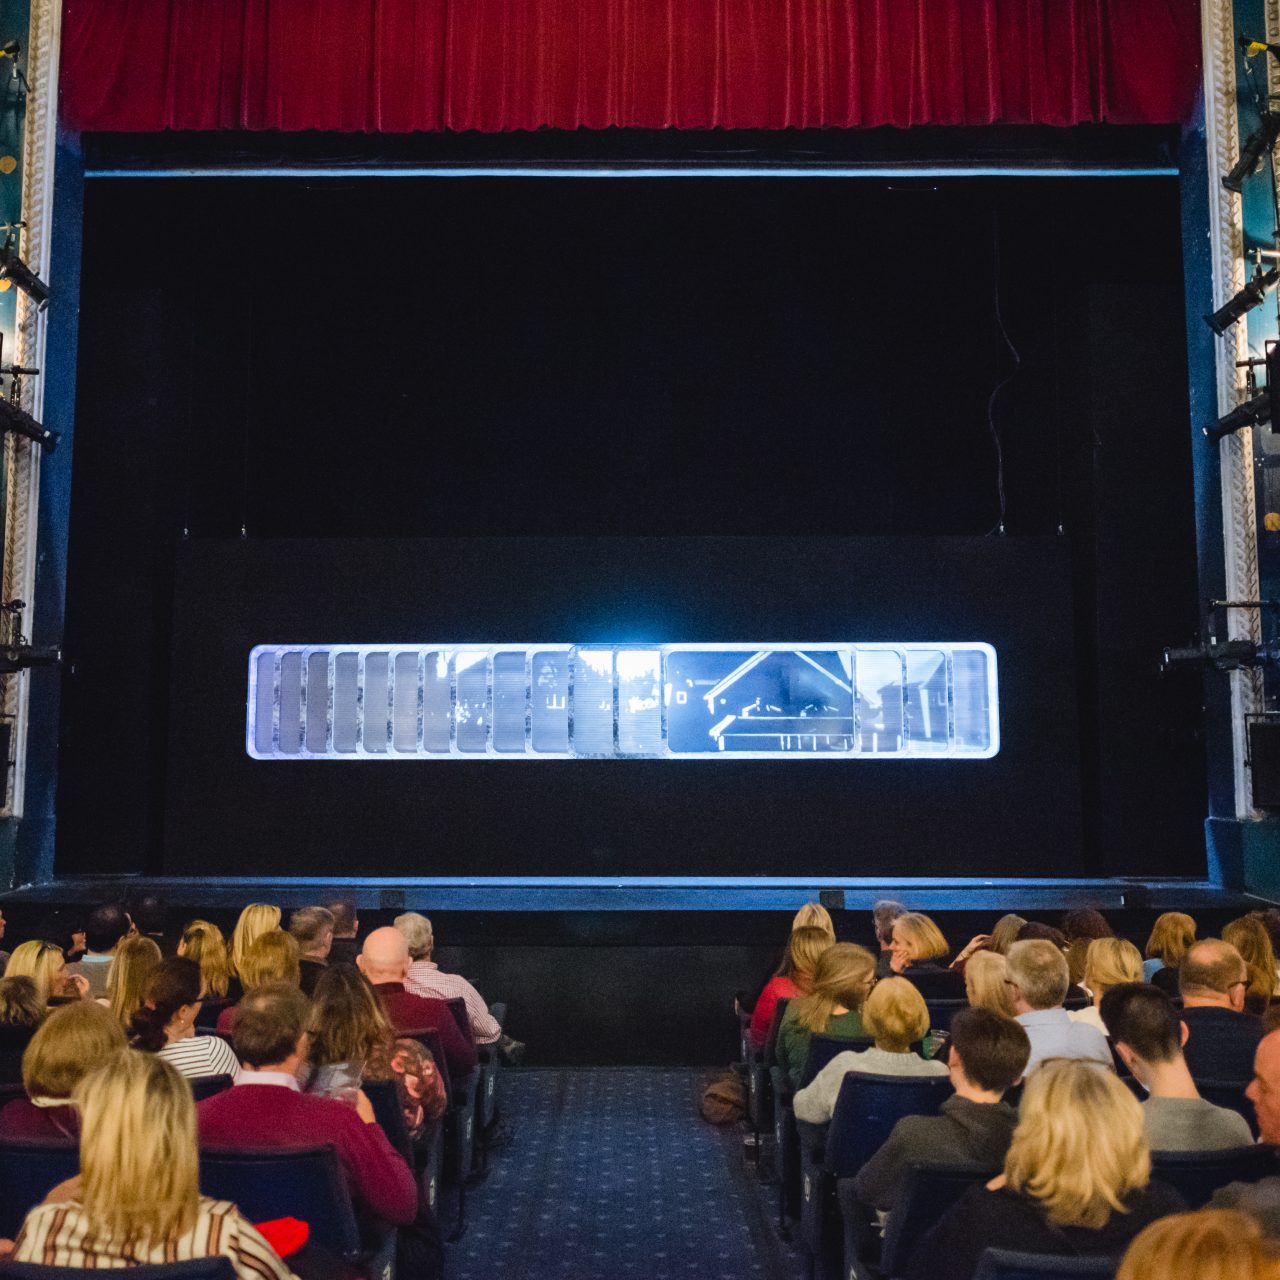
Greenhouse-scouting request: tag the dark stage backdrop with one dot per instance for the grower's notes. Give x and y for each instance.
(1017, 813)
(409, 358)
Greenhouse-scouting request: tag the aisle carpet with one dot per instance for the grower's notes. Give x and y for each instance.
(611, 1173)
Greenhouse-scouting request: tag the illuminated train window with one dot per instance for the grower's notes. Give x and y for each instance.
(618, 702)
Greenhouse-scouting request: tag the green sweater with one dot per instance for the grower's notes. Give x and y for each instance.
(794, 1037)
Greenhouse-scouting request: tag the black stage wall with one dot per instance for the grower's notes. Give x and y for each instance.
(785, 359)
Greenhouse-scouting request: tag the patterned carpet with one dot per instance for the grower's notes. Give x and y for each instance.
(611, 1172)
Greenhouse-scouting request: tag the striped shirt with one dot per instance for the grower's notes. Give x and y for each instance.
(60, 1235)
(201, 1056)
(425, 979)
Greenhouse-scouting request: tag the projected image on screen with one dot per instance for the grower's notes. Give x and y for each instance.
(466, 702)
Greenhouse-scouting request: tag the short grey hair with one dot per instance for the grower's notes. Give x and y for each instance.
(884, 913)
(417, 933)
(1040, 969)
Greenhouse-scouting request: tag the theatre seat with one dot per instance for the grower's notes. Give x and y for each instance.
(28, 1172)
(1230, 1094)
(203, 1087)
(1196, 1175)
(1005, 1264)
(215, 1268)
(759, 1064)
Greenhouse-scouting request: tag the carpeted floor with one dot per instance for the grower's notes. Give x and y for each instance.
(611, 1172)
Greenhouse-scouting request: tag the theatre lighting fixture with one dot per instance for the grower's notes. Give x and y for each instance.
(13, 268)
(21, 423)
(1251, 413)
(1252, 295)
(1257, 146)
(16, 652)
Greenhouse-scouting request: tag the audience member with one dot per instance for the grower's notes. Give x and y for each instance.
(384, 960)
(203, 942)
(1261, 1199)
(896, 1017)
(1213, 1244)
(1038, 982)
(919, 954)
(1171, 935)
(137, 1198)
(71, 1041)
(4, 955)
(312, 930)
(813, 915)
(165, 1023)
(127, 977)
(842, 980)
(44, 964)
(1250, 938)
(988, 1054)
(1147, 1035)
(346, 931)
(883, 914)
(271, 958)
(1221, 1037)
(267, 1109)
(21, 1012)
(986, 983)
(352, 1042)
(1271, 923)
(1076, 1181)
(255, 920)
(1080, 927)
(1035, 931)
(793, 978)
(1005, 934)
(1108, 963)
(106, 927)
(149, 914)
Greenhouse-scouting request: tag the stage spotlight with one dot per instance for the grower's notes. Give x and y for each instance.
(1251, 413)
(1252, 295)
(13, 268)
(1258, 144)
(22, 423)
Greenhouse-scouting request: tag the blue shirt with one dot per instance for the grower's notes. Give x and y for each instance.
(1054, 1035)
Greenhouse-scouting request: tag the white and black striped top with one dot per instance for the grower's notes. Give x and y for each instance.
(201, 1056)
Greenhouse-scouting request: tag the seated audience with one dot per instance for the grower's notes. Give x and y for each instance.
(1171, 935)
(127, 977)
(267, 1109)
(1080, 927)
(352, 1042)
(165, 1023)
(203, 942)
(149, 914)
(1108, 963)
(346, 931)
(883, 914)
(793, 978)
(1250, 938)
(1261, 1199)
(842, 981)
(70, 1043)
(1005, 934)
(896, 1017)
(271, 958)
(1147, 1035)
(21, 1012)
(1076, 1181)
(255, 920)
(137, 1198)
(44, 964)
(988, 1054)
(919, 954)
(1271, 923)
(384, 960)
(1213, 1244)
(1221, 1036)
(1038, 982)
(312, 930)
(106, 927)
(986, 983)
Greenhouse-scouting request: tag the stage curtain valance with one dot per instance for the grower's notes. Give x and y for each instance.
(405, 65)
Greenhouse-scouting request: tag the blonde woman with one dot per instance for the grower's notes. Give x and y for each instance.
(273, 957)
(70, 1043)
(1005, 933)
(1213, 1244)
(255, 920)
(842, 980)
(895, 1016)
(21, 1013)
(1076, 1181)
(132, 965)
(45, 965)
(137, 1199)
(203, 942)
(1108, 963)
(794, 975)
(1171, 937)
(919, 953)
(1250, 938)
(986, 983)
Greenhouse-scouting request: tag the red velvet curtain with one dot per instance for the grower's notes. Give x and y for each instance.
(404, 65)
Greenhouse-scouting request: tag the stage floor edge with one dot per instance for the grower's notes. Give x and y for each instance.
(645, 893)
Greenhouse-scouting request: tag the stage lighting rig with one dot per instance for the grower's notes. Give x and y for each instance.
(1256, 410)
(1257, 146)
(10, 49)
(1212, 654)
(1252, 295)
(13, 268)
(16, 652)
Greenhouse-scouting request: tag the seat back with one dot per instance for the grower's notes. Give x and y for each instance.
(384, 1098)
(1230, 1094)
(302, 1183)
(937, 984)
(928, 1191)
(458, 1007)
(823, 1048)
(867, 1108)
(218, 1267)
(28, 1172)
(775, 1025)
(1196, 1175)
(430, 1040)
(942, 1011)
(203, 1087)
(9, 1091)
(1006, 1264)
(210, 1012)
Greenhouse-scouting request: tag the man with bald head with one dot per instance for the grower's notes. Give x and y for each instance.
(1221, 1037)
(1261, 1199)
(384, 960)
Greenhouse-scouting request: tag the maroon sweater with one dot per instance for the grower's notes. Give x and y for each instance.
(409, 1012)
(274, 1116)
(23, 1120)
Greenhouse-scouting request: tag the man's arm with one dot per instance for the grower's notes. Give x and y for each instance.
(376, 1171)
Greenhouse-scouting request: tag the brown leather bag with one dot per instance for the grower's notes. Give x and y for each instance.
(724, 1101)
